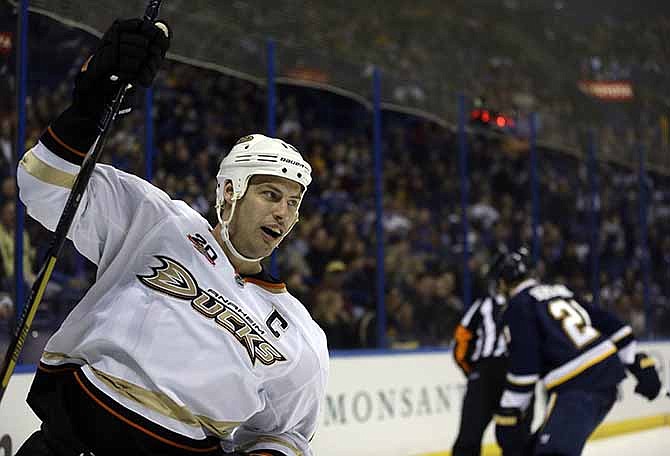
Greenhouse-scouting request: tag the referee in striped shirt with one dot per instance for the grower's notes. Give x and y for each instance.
(480, 350)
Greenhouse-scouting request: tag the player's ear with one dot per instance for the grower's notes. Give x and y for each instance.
(228, 191)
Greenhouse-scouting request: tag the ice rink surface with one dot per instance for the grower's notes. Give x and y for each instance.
(654, 442)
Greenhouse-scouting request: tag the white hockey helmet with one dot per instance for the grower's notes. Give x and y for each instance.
(254, 155)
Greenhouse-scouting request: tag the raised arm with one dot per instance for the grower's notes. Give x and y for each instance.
(132, 51)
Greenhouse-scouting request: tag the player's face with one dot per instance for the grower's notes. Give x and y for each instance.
(265, 213)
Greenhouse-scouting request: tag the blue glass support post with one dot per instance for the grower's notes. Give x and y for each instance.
(463, 168)
(644, 251)
(379, 206)
(149, 145)
(22, 83)
(272, 96)
(594, 224)
(534, 189)
(271, 122)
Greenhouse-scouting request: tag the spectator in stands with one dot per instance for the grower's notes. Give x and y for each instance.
(7, 221)
(321, 251)
(6, 149)
(330, 313)
(403, 331)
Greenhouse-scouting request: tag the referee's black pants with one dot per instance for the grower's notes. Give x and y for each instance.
(485, 386)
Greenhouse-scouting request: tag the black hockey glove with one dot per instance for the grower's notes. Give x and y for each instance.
(648, 381)
(511, 434)
(132, 50)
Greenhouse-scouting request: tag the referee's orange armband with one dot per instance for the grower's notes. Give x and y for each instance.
(462, 336)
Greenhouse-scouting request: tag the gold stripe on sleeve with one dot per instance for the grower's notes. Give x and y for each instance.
(275, 440)
(163, 404)
(578, 370)
(45, 172)
(505, 420)
(550, 408)
(153, 400)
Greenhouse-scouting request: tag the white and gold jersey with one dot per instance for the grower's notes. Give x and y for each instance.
(168, 330)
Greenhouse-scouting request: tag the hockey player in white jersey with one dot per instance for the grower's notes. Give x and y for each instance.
(184, 344)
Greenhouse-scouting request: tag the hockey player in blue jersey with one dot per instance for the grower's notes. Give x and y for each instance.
(579, 352)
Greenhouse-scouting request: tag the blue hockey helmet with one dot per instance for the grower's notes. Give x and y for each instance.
(510, 266)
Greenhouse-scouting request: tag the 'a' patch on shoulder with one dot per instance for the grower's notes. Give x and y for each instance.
(244, 139)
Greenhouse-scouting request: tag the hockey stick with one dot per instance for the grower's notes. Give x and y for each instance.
(64, 223)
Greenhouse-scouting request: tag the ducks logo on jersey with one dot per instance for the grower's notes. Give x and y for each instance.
(173, 279)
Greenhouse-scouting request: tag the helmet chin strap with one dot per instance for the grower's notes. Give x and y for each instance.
(226, 235)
